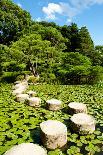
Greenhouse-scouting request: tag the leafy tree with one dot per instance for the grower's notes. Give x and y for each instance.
(98, 56)
(71, 33)
(13, 20)
(48, 24)
(65, 31)
(4, 55)
(54, 36)
(74, 68)
(32, 50)
(86, 45)
(96, 74)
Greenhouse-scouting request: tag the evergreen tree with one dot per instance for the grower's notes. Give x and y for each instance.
(71, 33)
(86, 45)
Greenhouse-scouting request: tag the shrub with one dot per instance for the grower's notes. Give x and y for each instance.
(9, 76)
(33, 79)
(20, 77)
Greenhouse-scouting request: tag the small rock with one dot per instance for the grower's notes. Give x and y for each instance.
(21, 84)
(26, 149)
(18, 91)
(34, 101)
(22, 97)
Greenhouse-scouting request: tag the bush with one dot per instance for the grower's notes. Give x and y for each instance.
(96, 74)
(9, 76)
(33, 79)
(20, 77)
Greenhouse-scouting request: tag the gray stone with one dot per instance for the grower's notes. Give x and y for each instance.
(34, 101)
(26, 149)
(22, 97)
(53, 134)
(54, 104)
(75, 107)
(82, 123)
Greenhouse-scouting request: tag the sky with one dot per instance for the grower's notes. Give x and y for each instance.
(87, 13)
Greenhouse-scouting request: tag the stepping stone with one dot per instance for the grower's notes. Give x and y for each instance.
(22, 97)
(53, 134)
(82, 123)
(26, 149)
(21, 84)
(18, 91)
(75, 107)
(17, 86)
(34, 101)
(31, 93)
(54, 104)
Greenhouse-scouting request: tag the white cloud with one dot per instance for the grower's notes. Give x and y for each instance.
(69, 20)
(70, 9)
(38, 19)
(19, 5)
(81, 4)
(51, 10)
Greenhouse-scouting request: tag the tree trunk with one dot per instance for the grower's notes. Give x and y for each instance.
(31, 68)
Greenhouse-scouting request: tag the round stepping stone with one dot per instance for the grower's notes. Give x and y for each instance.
(26, 149)
(75, 107)
(22, 97)
(17, 86)
(53, 134)
(17, 91)
(82, 123)
(21, 84)
(54, 104)
(31, 93)
(34, 101)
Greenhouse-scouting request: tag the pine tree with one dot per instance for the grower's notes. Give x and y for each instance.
(86, 45)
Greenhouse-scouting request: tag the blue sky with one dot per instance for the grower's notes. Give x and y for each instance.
(87, 13)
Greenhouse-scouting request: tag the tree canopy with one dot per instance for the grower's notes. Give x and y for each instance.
(13, 20)
(64, 54)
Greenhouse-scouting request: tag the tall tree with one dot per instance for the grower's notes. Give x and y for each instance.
(32, 50)
(12, 21)
(74, 68)
(86, 45)
(54, 36)
(71, 33)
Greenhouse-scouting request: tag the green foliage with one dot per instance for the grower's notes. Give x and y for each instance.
(73, 150)
(54, 36)
(33, 79)
(86, 45)
(71, 33)
(9, 76)
(96, 74)
(19, 122)
(75, 68)
(56, 152)
(12, 22)
(20, 78)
